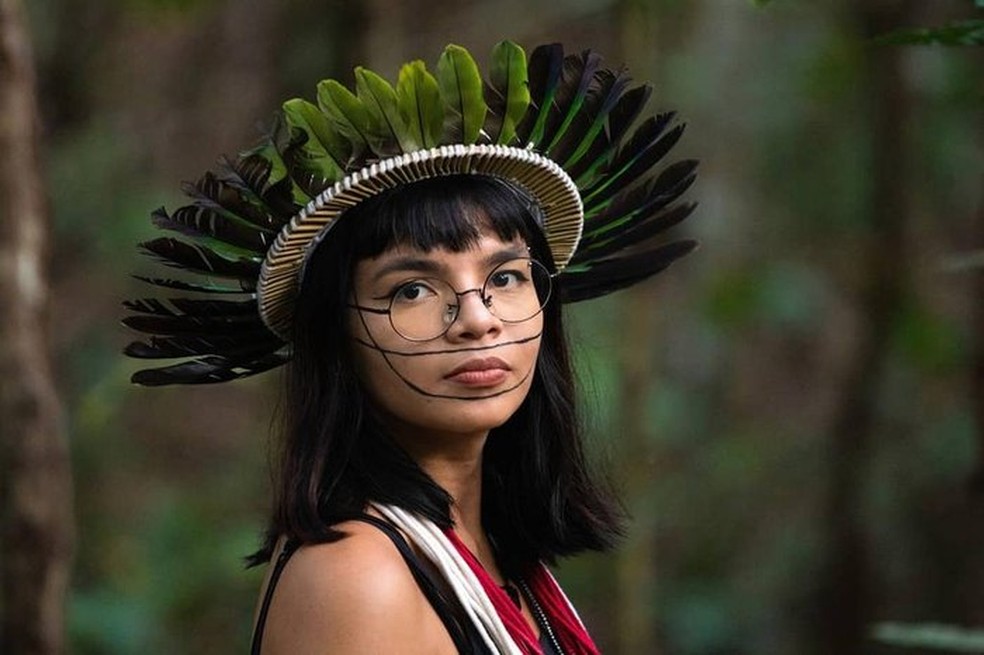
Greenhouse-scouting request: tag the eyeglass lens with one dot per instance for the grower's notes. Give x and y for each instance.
(514, 291)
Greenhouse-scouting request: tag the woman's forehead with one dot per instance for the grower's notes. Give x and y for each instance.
(488, 244)
(487, 251)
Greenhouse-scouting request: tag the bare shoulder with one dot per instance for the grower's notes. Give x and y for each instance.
(355, 595)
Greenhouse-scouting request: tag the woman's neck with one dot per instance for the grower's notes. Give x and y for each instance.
(458, 470)
(454, 462)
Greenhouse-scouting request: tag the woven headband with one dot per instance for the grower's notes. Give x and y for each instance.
(563, 128)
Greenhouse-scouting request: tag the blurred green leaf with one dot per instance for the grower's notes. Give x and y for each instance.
(930, 635)
(959, 33)
(928, 340)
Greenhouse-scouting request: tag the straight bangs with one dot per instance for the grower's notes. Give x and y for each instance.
(450, 212)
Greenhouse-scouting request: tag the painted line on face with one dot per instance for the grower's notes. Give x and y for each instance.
(385, 355)
(404, 353)
(431, 394)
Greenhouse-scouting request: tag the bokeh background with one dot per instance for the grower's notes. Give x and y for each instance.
(793, 414)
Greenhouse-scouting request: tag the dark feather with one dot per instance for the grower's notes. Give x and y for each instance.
(187, 306)
(611, 275)
(280, 199)
(576, 83)
(200, 222)
(200, 259)
(208, 370)
(544, 70)
(306, 175)
(242, 326)
(643, 226)
(181, 285)
(212, 193)
(620, 119)
(587, 133)
(170, 347)
(639, 201)
(630, 165)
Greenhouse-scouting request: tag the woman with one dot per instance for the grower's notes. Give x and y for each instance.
(432, 461)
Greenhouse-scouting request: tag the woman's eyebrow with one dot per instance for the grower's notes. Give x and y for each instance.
(420, 264)
(504, 255)
(407, 263)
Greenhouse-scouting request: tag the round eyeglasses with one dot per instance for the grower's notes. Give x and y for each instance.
(424, 308)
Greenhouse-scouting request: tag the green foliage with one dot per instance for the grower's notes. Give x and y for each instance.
(177, 8)
(928, 340)
(958, 33)
(933, 636)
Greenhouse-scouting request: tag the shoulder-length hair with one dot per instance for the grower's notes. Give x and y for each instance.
(540, 500)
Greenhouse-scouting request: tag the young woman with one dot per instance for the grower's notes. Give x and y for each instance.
(432, 462)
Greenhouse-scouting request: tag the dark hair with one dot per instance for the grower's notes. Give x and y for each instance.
(539, 499)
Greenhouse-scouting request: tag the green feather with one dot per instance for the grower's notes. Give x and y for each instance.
(545, 68)
(388, 126)
(461, 89)
(346, 113)
(419, 99)
(326, 150)
(508, 78)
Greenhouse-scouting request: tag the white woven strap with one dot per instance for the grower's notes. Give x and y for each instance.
(438, 549)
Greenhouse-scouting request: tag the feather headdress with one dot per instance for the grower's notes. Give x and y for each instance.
(564, 128)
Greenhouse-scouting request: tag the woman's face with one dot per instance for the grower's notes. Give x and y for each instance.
(469, 379)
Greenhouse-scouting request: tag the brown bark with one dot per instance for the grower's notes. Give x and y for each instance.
(35, 487)
(846, 597)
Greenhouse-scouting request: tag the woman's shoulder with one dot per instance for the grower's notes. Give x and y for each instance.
(363, 563)
(356, 594)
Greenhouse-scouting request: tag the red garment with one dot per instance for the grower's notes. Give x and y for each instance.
(570, 632)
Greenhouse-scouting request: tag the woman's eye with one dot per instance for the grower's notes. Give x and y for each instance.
(507, 279)
(413, 291)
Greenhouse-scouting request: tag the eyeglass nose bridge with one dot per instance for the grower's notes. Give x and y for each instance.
(453, 311)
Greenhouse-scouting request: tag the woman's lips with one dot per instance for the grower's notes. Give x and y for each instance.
(480, 372)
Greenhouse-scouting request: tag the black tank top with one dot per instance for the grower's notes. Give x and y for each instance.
(463, 633)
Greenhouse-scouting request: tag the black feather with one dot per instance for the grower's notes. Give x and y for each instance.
(646, 225)
(620, 119)
(639, 201)
(181, 285)
(577, 77)
(543, 72)
(170, 347)
(201, 222)
(209, 370)
(629, 167)
(250, 174)
(586, 128)
(611, 275)
(200, 259)
(187, 306)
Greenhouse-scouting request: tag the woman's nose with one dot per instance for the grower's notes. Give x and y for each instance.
(475, 318)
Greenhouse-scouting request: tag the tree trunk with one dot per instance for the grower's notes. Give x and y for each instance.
(845, 599)
(35, 487)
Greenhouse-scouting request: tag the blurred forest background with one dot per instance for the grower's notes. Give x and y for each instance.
(794, 414)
